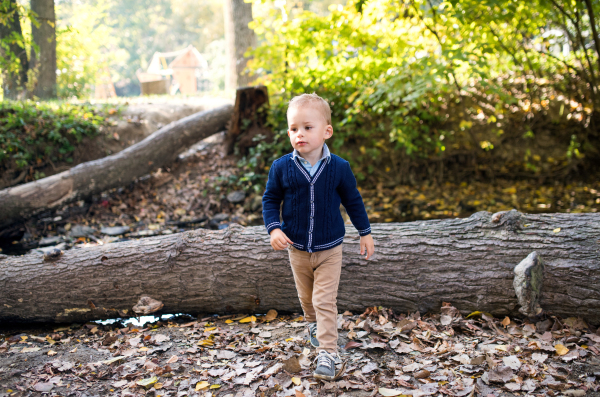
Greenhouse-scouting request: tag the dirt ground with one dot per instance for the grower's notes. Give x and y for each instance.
(385, 354)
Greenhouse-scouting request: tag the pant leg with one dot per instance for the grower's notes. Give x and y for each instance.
(325, 287)
(300, 262)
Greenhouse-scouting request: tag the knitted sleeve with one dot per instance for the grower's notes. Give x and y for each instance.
(272, 200)
(352, 201)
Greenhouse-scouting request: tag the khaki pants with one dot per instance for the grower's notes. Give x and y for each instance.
(317, 276)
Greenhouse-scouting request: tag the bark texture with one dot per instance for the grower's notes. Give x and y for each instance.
(15, 68)
(157, 150)
(44, 36)
(238, 39)
(417, 266)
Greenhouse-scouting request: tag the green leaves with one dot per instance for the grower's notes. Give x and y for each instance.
(33, 133)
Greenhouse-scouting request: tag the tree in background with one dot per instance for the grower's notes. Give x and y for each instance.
(43, 30)
(239, 38)
(14, 63)
(444, 88)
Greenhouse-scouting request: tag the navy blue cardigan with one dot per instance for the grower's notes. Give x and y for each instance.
(311, 205)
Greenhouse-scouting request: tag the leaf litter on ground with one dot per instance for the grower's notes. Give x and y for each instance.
(404, 354)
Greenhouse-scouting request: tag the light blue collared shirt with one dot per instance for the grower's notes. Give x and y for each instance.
(313, 168)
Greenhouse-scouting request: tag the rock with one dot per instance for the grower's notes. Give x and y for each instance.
(237, 196)
(528, 281)
(81, 231)
(51, 254)
(50, 240)
(114, 230)
(220, 217)
(215, 222)
(256, 204)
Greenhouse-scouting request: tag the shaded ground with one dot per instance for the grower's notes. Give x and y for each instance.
(240, 355)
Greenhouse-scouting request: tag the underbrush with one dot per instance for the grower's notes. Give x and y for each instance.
(34, 135)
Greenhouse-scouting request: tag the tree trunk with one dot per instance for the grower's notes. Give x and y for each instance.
(238, 39)
(15, 64)
(157, 150)
(44, 36)
(417, 266)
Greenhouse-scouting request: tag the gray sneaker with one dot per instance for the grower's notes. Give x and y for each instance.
(326, 366)
(312, 334)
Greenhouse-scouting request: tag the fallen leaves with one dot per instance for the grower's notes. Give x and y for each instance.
(560, 349)
(409, 354)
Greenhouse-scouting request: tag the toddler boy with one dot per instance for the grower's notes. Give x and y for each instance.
(311, 182)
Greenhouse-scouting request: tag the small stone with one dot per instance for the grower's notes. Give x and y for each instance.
(236, 196)
(256, 203)
(81, 231)
(114, 230)
(50, 240)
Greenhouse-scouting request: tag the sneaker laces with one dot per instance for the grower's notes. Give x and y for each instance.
(325, 359)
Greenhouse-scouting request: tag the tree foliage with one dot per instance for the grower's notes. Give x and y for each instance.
(448, 84)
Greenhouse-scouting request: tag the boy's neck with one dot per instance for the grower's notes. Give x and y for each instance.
(312, 158)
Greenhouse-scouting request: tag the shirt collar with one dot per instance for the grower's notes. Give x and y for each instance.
(326, 154)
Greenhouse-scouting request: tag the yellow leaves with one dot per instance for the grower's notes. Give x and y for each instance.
(560, 349)
(506, 321)
(215, 386)
(556, 230)
(478, 313)
(228, 321)
(465, 124)
(206, 342)
(52, 353)
(202, 385)
(248, 320)
(211, 329)
(296, 381)
(147, 382)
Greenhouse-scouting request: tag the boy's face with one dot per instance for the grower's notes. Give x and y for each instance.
(308, 130)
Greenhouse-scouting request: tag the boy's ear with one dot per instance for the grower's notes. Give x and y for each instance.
(288, 131)
(329, 131)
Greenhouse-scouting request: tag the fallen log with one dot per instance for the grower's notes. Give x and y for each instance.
(157, 150)
(417, 266)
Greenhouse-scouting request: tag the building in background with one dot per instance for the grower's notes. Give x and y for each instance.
(183, 71)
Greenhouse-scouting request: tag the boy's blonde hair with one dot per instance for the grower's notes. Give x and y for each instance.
(311, 100)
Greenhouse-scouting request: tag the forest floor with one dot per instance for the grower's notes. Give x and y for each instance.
(268, 355)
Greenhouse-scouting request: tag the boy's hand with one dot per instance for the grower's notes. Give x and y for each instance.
(367, 246)
(279, 241)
